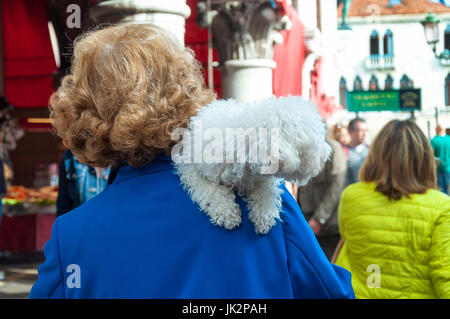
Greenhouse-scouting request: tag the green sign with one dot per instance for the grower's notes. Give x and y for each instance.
(384, 100)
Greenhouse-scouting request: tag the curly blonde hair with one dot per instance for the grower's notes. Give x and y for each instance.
(129, 87)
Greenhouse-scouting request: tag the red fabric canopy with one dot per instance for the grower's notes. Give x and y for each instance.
(325, 104)
(28, 55)
(29, 60)
(25, 232)
(289, 56)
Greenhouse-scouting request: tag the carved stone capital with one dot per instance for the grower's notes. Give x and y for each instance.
(243, 29)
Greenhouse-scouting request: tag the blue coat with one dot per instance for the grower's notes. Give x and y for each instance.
(143, 237)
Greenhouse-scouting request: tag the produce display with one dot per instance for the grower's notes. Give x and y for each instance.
(22, 200)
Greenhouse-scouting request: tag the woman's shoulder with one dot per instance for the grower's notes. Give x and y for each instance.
(359, 188)
(433, 199)
(432, 202)
(437, 195)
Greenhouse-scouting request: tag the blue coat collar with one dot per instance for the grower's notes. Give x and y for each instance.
(160, 163)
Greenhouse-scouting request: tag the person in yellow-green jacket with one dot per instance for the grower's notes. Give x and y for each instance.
(395, 224)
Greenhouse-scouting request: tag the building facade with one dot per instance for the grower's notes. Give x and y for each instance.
(385, 49)
(319, 72)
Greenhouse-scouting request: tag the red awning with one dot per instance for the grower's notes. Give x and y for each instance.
(29, 60)
(28, 55)
(289, 56)
(326, 105)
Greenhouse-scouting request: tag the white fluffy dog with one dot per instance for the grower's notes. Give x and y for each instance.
(277, 138)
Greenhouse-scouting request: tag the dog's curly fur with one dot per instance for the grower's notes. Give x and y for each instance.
(302, 154)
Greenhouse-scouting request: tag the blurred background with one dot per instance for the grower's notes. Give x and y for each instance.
(375, 59)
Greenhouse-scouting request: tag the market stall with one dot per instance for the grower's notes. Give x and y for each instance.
(28, 215)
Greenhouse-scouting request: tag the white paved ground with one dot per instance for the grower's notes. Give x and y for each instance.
(17, 276)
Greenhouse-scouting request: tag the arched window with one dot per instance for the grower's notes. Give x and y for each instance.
(447, 37)
(357, 84)
(388, 83)
(447, 89)
(406, 82)
(343, 92)
(388, 43)
(374, 43)
(373, 83)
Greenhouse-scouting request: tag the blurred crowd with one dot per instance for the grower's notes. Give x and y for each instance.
(384, 206)
(10, 133)
(78, 182)
(319, 199)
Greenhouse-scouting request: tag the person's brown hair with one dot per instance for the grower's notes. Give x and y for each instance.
(337, 131)
(400, 161)
(129, 87)
(352, 123)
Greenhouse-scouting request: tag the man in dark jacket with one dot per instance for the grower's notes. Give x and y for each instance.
(77, 183)
(319, 199)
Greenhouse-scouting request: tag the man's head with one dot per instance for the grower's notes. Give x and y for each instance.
(440, 130)
(357, 129)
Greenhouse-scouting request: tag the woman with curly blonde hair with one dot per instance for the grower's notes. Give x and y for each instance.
(128, 90)
(130, 87)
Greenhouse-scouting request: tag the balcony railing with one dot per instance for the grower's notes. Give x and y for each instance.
(380, 62)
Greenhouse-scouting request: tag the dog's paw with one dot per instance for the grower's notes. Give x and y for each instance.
(264, 221)
(264, 228)
(228, 218)
(229, 221)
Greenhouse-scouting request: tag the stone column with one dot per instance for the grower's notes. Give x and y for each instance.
(169, 15)
(244, 33)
